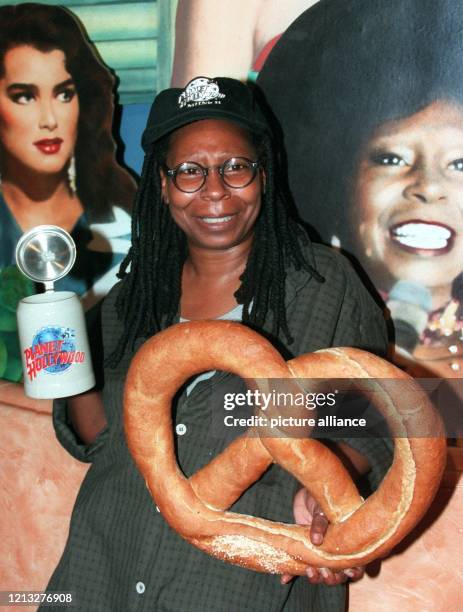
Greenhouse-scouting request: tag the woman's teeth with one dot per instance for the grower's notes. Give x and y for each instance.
(422, 235)
(217, 219)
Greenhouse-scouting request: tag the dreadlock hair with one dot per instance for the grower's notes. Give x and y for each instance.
(149, 297)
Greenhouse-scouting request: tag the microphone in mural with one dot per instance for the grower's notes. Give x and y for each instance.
(54, 345)
(57, 158)
(369, 96)
(409, 305)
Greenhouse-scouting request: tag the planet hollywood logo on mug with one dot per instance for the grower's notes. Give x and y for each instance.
(52, 351)
(200, 91)
(55, 351)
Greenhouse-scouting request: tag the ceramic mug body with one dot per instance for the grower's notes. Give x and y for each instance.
(54, 345)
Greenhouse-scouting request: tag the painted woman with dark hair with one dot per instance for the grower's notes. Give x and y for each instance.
(372, 117)
(57, 157)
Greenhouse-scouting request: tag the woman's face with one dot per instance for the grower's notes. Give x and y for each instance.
(216, 216)
(408, 199)
(39, 111)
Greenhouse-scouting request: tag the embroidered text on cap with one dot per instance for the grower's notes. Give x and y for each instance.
(200, 91)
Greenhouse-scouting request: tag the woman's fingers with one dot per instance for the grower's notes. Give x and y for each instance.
(323, 575)
(285, 578)
(354, 573)
(318, 527)
(308, 512)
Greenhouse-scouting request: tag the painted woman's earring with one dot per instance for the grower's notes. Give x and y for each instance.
(72, 175)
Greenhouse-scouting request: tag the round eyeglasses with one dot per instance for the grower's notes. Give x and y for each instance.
(236, 172)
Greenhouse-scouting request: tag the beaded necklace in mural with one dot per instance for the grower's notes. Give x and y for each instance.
(444, 330)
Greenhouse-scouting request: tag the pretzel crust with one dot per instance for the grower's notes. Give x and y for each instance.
(196, 508)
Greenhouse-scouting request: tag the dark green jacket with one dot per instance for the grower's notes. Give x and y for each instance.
(122, 556)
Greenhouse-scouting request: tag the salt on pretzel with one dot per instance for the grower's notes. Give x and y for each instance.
(196, 508)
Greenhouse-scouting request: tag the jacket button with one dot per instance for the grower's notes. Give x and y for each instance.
(140, 587)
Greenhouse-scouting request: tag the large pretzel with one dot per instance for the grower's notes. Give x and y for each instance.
(196, 508)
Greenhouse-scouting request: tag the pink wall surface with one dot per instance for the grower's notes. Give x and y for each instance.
(39, 481)
(426, 572)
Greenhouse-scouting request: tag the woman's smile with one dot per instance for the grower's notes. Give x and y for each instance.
(217, 221)
(426, 238)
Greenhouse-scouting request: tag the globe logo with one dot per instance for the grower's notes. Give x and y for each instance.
(51, 337)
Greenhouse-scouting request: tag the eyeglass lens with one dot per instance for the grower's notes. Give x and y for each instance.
(236, 172)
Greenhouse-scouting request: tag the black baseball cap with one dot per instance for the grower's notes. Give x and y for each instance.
(203, 98)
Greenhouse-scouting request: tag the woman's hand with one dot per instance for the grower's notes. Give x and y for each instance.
(308, 512)
(87, 414)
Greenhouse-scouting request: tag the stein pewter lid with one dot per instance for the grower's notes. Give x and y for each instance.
(45, 254)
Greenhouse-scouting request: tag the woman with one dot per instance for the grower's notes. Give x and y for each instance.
(212, 238)
(57, 162)
(372, 118)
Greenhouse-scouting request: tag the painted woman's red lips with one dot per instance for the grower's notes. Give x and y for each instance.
(49, 146)
(423, 237)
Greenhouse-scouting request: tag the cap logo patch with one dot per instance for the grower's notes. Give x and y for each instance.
(200, 91)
